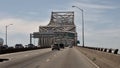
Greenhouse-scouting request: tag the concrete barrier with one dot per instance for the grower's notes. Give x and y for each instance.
(109, 50)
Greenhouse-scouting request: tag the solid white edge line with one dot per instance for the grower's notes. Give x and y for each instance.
(90, 60)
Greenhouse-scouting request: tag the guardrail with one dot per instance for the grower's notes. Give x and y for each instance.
(109, 50)
(12, 50)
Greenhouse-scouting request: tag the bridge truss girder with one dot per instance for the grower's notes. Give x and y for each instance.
(62, 23)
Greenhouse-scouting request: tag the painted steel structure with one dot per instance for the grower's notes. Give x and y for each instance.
(61, 29)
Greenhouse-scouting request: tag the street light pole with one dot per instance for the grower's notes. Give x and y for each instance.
(82, 24)
(6, 32)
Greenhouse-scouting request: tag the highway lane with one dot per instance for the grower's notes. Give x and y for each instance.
(45, 58)
(69, 58)
(19, 59)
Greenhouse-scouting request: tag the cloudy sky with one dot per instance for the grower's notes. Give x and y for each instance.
(102, 19)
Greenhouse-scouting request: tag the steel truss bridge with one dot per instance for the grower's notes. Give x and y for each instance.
(61, 29)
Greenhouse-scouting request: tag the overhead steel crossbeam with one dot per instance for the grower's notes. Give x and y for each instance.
(49, 29)
(62, 18)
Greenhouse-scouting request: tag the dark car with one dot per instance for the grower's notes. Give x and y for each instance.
(30, 46)
(55, 47)
(19, 46)
(11, 47)
(4, 47)
(62, 46)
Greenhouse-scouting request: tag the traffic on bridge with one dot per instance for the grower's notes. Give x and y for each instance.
(58, 42)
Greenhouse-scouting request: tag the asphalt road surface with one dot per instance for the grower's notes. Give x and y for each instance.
(45, 58)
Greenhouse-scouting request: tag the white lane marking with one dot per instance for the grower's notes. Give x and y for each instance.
(36, 53)
(26, 55)
(88, 59)
(54, 55)
(47, 60)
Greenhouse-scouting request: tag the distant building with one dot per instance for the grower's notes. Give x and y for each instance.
(61, 29)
